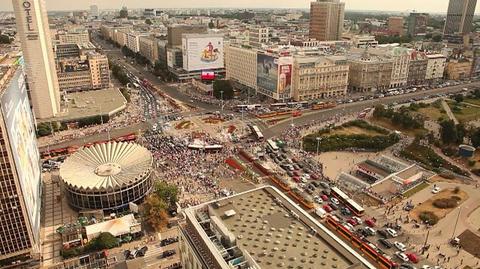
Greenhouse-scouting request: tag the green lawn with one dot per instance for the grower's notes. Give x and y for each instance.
(432, 113)
(472, 101)
(387, 124)
(466, 113)
(416, 189)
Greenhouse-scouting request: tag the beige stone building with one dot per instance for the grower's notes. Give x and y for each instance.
(241, 65)
(401, 62)
(369, 72)
(73, 37)
(326, 19)
(435, 66)
(319, 77)
(148, 47)
(80, 69)
(458, 69)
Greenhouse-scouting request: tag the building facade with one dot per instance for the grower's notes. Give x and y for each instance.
(400, 64)
(458, 69)
(326, 19)
(395, 25)
(417, 24)
(435, 66)
(81, 68)
(241, 66)
(133, 40)
(460, 17)
(369, 72)
(76, 37)
(175, 33)
(258, 36)
(417, 70)
(149, 48)
(319, 77)
(34, 33)
(20, 186)
(94, 11)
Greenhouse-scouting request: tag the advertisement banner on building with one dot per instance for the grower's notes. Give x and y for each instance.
(21, 133)
(284, 85)
(267, 73)
(203, 52)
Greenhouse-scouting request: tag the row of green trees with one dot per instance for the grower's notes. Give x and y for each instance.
(119, 74)
(47, 128)
(401, 118)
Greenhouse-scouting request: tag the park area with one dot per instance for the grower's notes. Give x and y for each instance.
(465, 112)
(355, 135)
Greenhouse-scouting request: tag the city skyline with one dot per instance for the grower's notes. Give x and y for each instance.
(431, 6)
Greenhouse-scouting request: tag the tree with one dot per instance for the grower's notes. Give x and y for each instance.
(458, 98)
(5, 39)
(167, 193)
(155, 211)
(148, 21)
(223, 89)
(211, 25)
(104, 241)
(437, 38)
(448, 132)
(476, 138)
(124, 13)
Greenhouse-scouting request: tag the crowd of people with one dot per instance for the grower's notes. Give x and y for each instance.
(194, 172)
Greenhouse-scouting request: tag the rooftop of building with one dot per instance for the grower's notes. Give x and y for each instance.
(266, 229)
(91, 103)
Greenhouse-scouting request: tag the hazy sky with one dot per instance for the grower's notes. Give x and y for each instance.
(384, 5)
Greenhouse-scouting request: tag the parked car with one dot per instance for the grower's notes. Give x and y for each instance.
(327, 208)
(345, 211)
(141, 252)
(370, 231)
(400, 246)
(383, 233)
(352, 222)
(168, 253)
(334, 201)
(324, 198)
(370, 222)
(436, 190)
(402, 256)
(407, 266)
(412, 257)
(357, 219)
(385, 243)
(333, 206)
(392, 232)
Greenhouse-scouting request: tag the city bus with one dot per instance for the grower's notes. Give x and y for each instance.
(257, 133)
(272, 145)
(350, 203)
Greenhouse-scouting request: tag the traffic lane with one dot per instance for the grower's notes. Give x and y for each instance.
(359, 106)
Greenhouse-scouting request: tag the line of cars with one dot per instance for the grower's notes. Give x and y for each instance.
(135, 253)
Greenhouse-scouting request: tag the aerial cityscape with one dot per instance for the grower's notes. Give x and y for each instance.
(290, 134)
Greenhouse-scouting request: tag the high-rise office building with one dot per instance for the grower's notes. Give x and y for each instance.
(460, 17)
(34, 33)
(417, 24)
(326, 19)
(94, 11)
(395, 25)
(20, 184)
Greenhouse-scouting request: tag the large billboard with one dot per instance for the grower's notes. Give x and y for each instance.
(18, 119)
(267, 72)
(274, 75)
(202, 52)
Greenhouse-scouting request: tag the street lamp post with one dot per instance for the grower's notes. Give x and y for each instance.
(318, 144)
(221, 97)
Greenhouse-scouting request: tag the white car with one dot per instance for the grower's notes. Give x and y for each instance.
(400, 246)
(402, 256)
(357, 219)
(334, 200)
(349, 227)
(392, 232)
(436, 190)
(370, 231)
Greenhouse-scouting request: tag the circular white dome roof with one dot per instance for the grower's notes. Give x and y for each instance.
(109, 165)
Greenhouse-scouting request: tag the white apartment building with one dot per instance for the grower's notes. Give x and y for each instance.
(76, 37)
(133, 40)
(241, 65)
(435, 66)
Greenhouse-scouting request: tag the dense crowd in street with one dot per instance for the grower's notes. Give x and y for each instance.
(194, 172)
